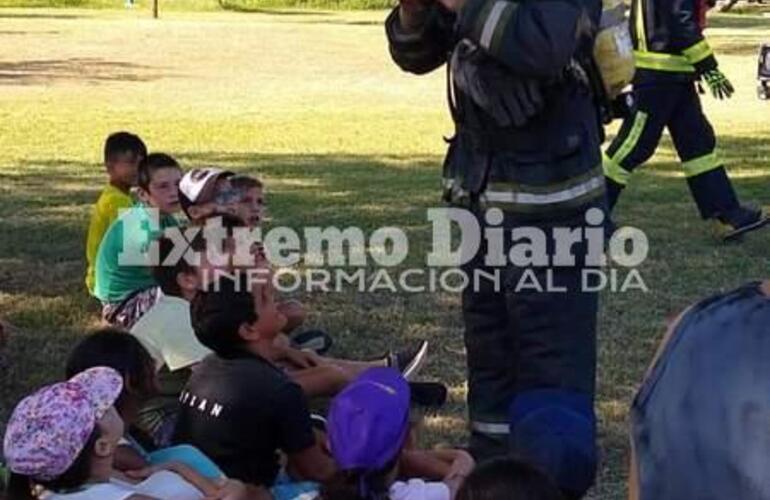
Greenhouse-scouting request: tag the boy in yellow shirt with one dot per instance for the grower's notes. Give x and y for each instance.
(123, 151)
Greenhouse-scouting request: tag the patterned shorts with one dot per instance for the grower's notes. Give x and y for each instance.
(126, 313)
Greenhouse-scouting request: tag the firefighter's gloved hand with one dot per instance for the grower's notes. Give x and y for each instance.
(509, 99)
(720, 86)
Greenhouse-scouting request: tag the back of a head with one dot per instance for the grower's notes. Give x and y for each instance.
(118, 350)
(152, 163)
(219, 311)
(699, 420)
(245, 182)
(120, 143)
(166, 273)
(508, 478)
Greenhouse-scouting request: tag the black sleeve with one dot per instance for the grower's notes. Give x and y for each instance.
(687, 36)
(295, 430)
(535, 38)
(425, 49)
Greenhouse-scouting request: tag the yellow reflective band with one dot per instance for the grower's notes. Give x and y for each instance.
(698, 52)
(701, 165)
(614, 171)
(641, 29)
(663, 62)
(640, 120)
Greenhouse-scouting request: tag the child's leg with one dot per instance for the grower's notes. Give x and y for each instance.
(294, 312)
(321, 381)
(128, 458)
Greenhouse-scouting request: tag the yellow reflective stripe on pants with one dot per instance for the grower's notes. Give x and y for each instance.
(632, 139)
(698, 52)
(701, 165)
(614, 171)
(663, 62)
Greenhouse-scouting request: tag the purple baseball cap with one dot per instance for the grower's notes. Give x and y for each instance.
(369, 420)
(48, 429)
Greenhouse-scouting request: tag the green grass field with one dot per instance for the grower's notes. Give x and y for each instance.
(311, 102)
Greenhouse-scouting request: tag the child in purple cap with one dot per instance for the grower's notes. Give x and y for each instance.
(368, 429)
(63, 438)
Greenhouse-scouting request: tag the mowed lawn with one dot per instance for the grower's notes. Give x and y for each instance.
(311, 102)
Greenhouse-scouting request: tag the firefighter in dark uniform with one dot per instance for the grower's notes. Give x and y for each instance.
(671, 54)
(526, 153)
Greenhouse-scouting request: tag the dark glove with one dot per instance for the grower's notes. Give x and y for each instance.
(720, 86)
(511, 100)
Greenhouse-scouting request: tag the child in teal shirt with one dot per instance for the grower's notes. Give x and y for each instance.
(124, 282)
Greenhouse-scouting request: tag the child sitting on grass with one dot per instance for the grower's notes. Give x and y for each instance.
(124, 283)
(211, 192)
(123, 151)
(167, 333)
(64, 436)
(123, 353)
(114, 349)
(238, 408)
(319, 376)
(368, 428)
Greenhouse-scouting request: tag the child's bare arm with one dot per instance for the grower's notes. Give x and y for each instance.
(127, 458)
(449, 466)
(208, 487)
(462, 465)
(295, 314)
(320, 381)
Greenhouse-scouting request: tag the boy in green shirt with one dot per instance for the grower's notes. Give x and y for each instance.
(123, 151)
(124, 282)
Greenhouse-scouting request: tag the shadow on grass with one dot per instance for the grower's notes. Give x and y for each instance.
(44, 207)
(84, 69)
(36, 15)
(342, 22)
(24, 33)
(46, 203)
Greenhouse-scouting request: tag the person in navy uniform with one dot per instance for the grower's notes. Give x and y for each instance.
(671, 54)
(526, 153)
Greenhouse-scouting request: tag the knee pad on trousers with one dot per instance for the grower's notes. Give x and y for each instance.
(555, 430)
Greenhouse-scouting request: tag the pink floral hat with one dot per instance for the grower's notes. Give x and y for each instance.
(48, 429)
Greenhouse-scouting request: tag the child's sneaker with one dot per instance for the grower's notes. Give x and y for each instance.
(410, 361)
(317, 341)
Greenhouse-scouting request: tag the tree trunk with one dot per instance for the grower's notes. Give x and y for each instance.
(155, 9)
(726, 6)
